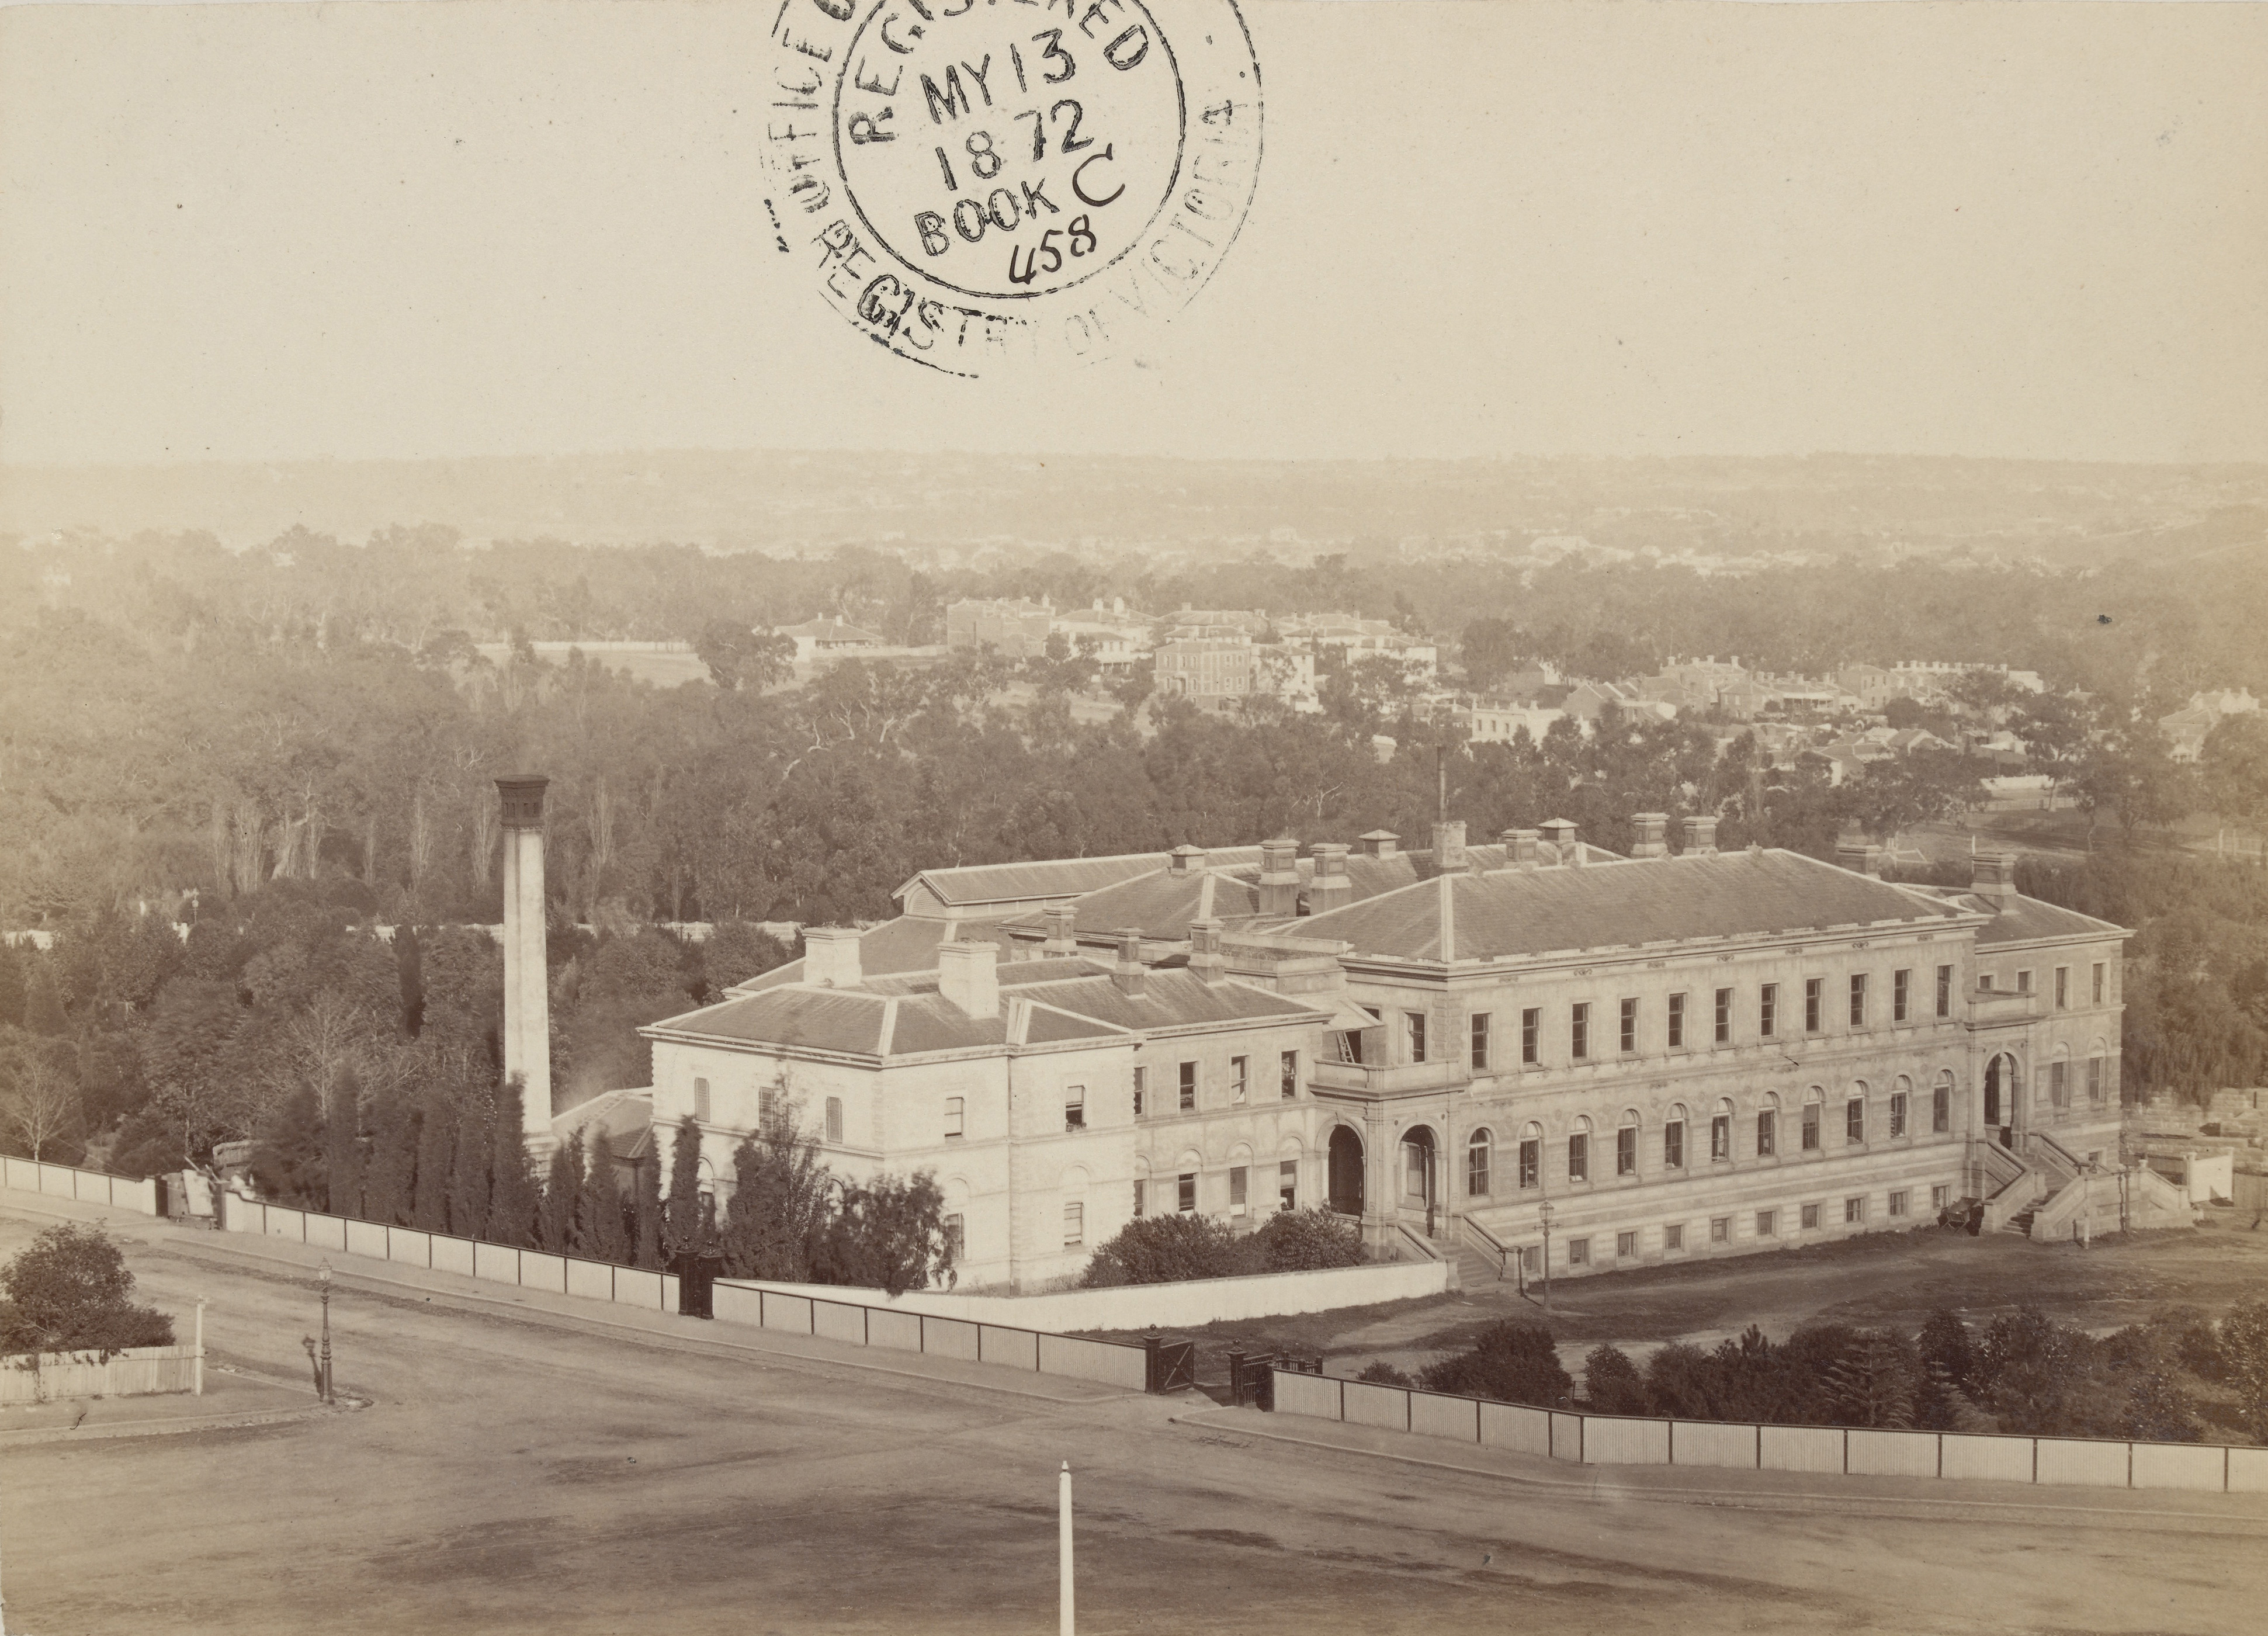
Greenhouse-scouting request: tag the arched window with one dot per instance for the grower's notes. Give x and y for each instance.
(834, 1120)
(1768, 1126)
(1476, 1164)
(1673, 1138)
(1578, 1151)
(1720, 1132)
(1941, 1103)
(1814, 1101)
(1531, 1156)
(1627, 1143)
(700, 1101)
(1855, 1115)
(2060, 1080)
(2096, 1094)
(1900, 1106)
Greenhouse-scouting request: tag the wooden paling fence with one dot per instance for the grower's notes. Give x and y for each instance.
(140, 1371)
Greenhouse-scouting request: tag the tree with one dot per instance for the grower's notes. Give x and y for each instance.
(344, 1161)
(389, 1178)
(513, 1196)
(600, 1230)
(782, 1198)
(647, 1251)
(1611, 1381)
(288, 1152)
(1510, 1362)
(2235, 763)
(741, 658)
(38, 1100)
(562, 1187)
(684, 1215)
(888, 1234)
(68, 1289)
(470, 1159)
(1944, 1346)
(1306, 1240)
(437, 1151)
(1874, 1381)
(1163, 1250)
(2244, 1360)
(737, 951)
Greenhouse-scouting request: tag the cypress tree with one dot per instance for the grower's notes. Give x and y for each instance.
(437, 1142)
(388, 1181)
(288, 1152)
(599, 1225)
(556, 1221)
(468, 1170)
(648, 1211)
(342, 1147)
(682, 1217)
(512, 1180)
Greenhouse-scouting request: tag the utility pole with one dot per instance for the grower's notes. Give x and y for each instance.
(1545, 1214)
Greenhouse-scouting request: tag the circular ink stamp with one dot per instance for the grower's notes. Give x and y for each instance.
(979, 184)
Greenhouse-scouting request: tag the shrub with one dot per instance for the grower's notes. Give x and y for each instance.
(1876, 1381)
(1944, 1344)
(1510, 1361)
(2244, 1361)
(1165, 1250)
(68, 1288)
(1384, 1373)
(1306, 1241)
(1611, 1381)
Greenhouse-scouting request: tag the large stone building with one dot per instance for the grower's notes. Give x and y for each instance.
(1648, 1058)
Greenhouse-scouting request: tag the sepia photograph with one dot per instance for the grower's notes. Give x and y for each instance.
(1150, 817)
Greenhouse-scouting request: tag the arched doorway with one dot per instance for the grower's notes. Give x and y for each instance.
(2000, 1097)
(1346, 1171)
(1419, 1171)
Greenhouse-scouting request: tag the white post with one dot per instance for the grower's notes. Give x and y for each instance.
(1066, 1623)
(198, 1376)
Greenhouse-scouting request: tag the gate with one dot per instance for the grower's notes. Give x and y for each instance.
(696, 1285)
(1169, 1365)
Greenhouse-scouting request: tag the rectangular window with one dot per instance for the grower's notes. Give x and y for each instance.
(2094, 1080)
(1724, 1016)
(1811, 1127)
(1720, 1138)
(1531, 1030)
(1768, 1011)
(2063, 988)
(2023, 983)
(1476, 1169)
(700, 1101)
(1236, 1184)
(1720, 1229)
(1899, 1202)
(1898, 1113)
(1287, 1184)
(1767, 1133)
(1944, 990)
(1858, 1000)
(1288, 1075)
(1673, 1237)
(1901, 995)
(1854, 1121)
(1940, 1196)
(2059, 1086)
(1767, 1221)
(1531, 1162)
(1074, 1107)
(954, 1107)
(1414, 1032)
(1578, 1252)
(1629, 1038)
(1853, 1210)
(1480, 1040)
(1625, 1245)
(2098, 982)
(1189, 1087)
(1626, 1151)
(1814, 1004)
(1141, 1084)
(956, 1241)
(1941, 1109)
(1074, 1224)
(834, 1120)
(1676, 1021)
(1673, 1144)
(1186, 1193)
(1985, 982)
(1578, 1157)
(1238, 1076)
(1810, 1217)
(1578, 1032)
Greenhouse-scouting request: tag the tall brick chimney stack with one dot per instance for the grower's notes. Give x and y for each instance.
(526, 971)
(1994, 878)
(1130, 973)
(1449, 847)
(1652, 832)
(1062, 933)
(1700, 837)
(1520, 847)
(1330, 886)
(1279, 877)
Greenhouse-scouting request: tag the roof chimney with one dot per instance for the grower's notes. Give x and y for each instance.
(1653, 832)
(1700, 837)
(969, 974)
(1994, 878)
(1861, 858)
(1279, 877)
(1520, 847)
(1063, 932)
(1561, 833)
(1329, 887)
(1185, 859)
(830, 956)
(1207, 960)
(1449, 847)
(1379, 844)
(1127, 974)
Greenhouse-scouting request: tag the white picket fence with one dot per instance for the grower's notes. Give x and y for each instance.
(1852, 1451)
(91, 1187)
(140, 1371)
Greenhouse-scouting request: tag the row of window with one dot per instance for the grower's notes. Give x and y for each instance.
(1186, 1085)
(2098, 985)
(1768, 1225)
(1677, 1032)
(1479, 1178)
(1185, 1191)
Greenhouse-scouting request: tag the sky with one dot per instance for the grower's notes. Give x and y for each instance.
(409, 230)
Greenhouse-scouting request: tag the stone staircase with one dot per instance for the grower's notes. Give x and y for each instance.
(1475, 1271)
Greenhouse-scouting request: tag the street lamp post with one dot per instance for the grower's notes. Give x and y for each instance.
(326, 1370)
(1545, 1214)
